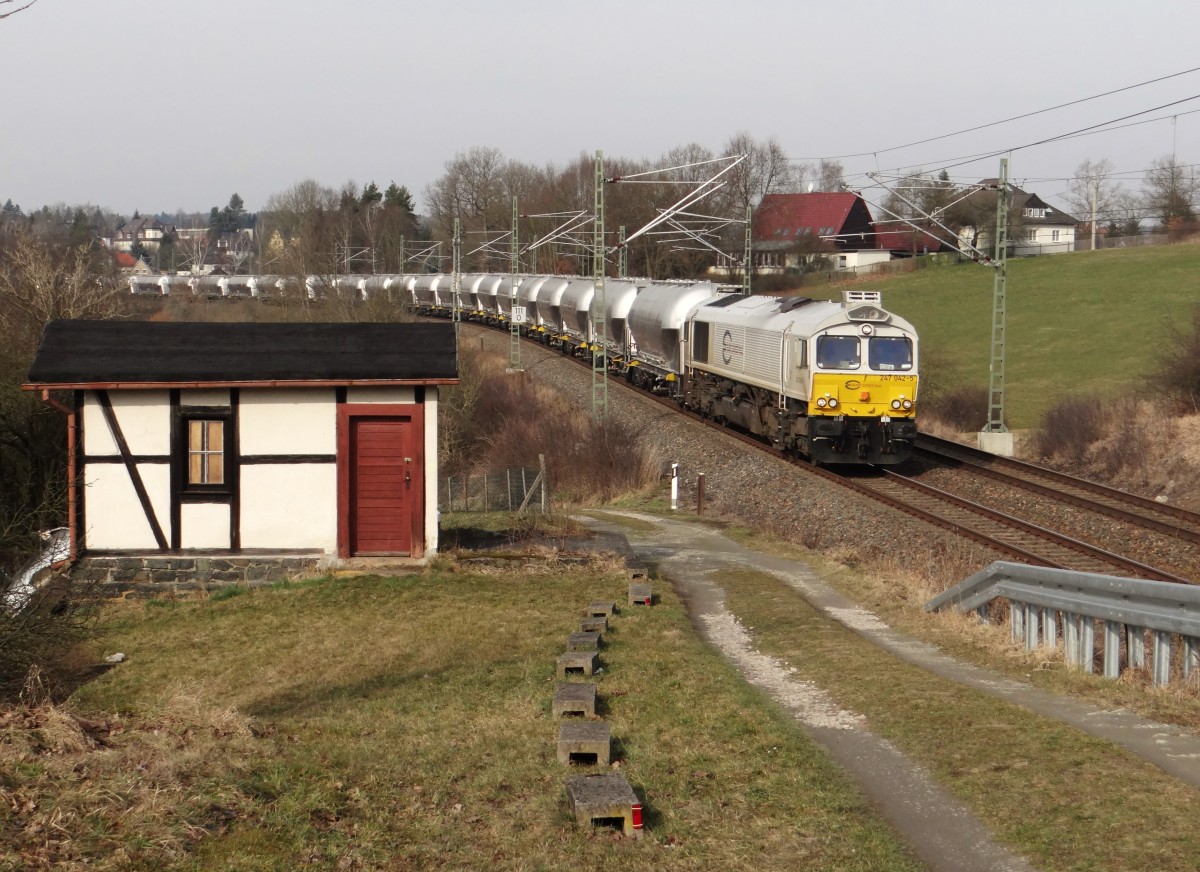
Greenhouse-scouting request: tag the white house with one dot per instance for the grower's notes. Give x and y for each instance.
(1035, 227)
(317, 440)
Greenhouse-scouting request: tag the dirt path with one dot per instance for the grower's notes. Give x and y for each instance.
(943, 832)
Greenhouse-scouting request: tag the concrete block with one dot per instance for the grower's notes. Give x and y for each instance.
(600, 609)
(593, 625)
(637, 573)
(584, 742)
(605, 799)
(574, 699)
(583, 641)
(640, 595)
(576, 663)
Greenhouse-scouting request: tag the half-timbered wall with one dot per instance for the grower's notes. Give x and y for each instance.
(281, 474)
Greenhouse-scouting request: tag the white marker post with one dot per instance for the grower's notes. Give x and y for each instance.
(674, 487)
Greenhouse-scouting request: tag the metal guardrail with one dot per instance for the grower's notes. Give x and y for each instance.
(1103, 615)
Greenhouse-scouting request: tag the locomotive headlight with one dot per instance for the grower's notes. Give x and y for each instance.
(895, 404)
(822, 402)
(833, 402)
(867, 329)
(908, 404)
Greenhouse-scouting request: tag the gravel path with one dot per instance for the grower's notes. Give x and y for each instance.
(943, 832)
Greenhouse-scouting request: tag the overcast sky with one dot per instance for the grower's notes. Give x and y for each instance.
(172, 105)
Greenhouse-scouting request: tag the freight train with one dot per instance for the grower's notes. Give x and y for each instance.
(833, 381)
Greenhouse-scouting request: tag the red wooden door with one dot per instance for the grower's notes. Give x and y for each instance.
(385, 484)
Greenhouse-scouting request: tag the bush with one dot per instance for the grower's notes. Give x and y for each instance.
(496, 420)
(962, 409)
(1177, 370)
(1069, 427)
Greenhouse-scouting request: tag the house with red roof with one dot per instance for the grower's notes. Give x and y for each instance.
(790, 228)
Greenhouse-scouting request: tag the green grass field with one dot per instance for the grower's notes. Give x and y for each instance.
(1088, 322)
(405, 723)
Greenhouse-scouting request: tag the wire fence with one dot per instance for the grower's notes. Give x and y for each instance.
(511, 490)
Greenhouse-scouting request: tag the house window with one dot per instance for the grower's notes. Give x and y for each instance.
(205, 452)
(1054, 236)
(1032, 235)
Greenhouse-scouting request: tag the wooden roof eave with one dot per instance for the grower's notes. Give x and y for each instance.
(266, 383)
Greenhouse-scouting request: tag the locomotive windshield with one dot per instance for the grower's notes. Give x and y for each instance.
(889, 352)
(838, 352)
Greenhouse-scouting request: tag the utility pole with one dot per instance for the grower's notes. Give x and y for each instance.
(622, 254)
(1095, 197)
(599, 301)
(746, 257)
(995, 436)
(515, 318)
(456, 277)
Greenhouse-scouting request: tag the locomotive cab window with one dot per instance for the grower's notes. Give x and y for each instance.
(889, 353)
(838, 352)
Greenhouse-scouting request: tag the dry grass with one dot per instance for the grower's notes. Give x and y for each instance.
(488, 423)
(1065, 799)
(404, 723)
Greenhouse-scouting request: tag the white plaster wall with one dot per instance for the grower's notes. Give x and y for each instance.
(289, 506)
(204, 525)
(214, 397)
(381, 395)
(287, 421)
(112, 513)
(431, 470)
(144, 418)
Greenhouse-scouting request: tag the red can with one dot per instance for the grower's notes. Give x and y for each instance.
(637, 816)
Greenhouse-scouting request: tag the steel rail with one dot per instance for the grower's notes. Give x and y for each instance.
(1109, 501)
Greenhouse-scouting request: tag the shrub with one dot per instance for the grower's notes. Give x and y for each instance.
(495, 420)
(1069, 427)
(962, 409)
(1177, 370)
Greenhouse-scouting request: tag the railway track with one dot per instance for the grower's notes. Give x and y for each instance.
(1090, 496)
(1002, 533)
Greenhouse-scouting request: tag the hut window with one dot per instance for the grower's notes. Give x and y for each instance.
(206, 452)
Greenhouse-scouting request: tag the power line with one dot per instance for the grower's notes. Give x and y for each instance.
(996, 123)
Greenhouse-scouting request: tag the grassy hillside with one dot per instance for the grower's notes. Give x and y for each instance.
(1089, 322)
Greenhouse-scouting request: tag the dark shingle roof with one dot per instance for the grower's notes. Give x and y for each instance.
(158, 353)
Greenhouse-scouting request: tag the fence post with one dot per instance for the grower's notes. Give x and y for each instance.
(700, 494)
(1071, 639)
(508, 481)
(1161, 646)
(1087, 643)
(1135, 647)
(542, 472)
(485, 491)
(1112, 649)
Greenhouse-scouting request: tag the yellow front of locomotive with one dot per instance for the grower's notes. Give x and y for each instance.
(862, 402)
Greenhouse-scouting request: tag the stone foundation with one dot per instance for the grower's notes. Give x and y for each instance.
(160, 576)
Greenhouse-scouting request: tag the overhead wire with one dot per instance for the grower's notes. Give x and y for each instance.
(879, 151)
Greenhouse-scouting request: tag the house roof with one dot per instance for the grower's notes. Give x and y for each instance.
(791, 216)
(1022, 200)
(801, 217)
(142, 354)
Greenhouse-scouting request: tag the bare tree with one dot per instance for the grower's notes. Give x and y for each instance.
(830, 175)
(1092, 192)
(14, 11)
(1170, 192)
(766, 170)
